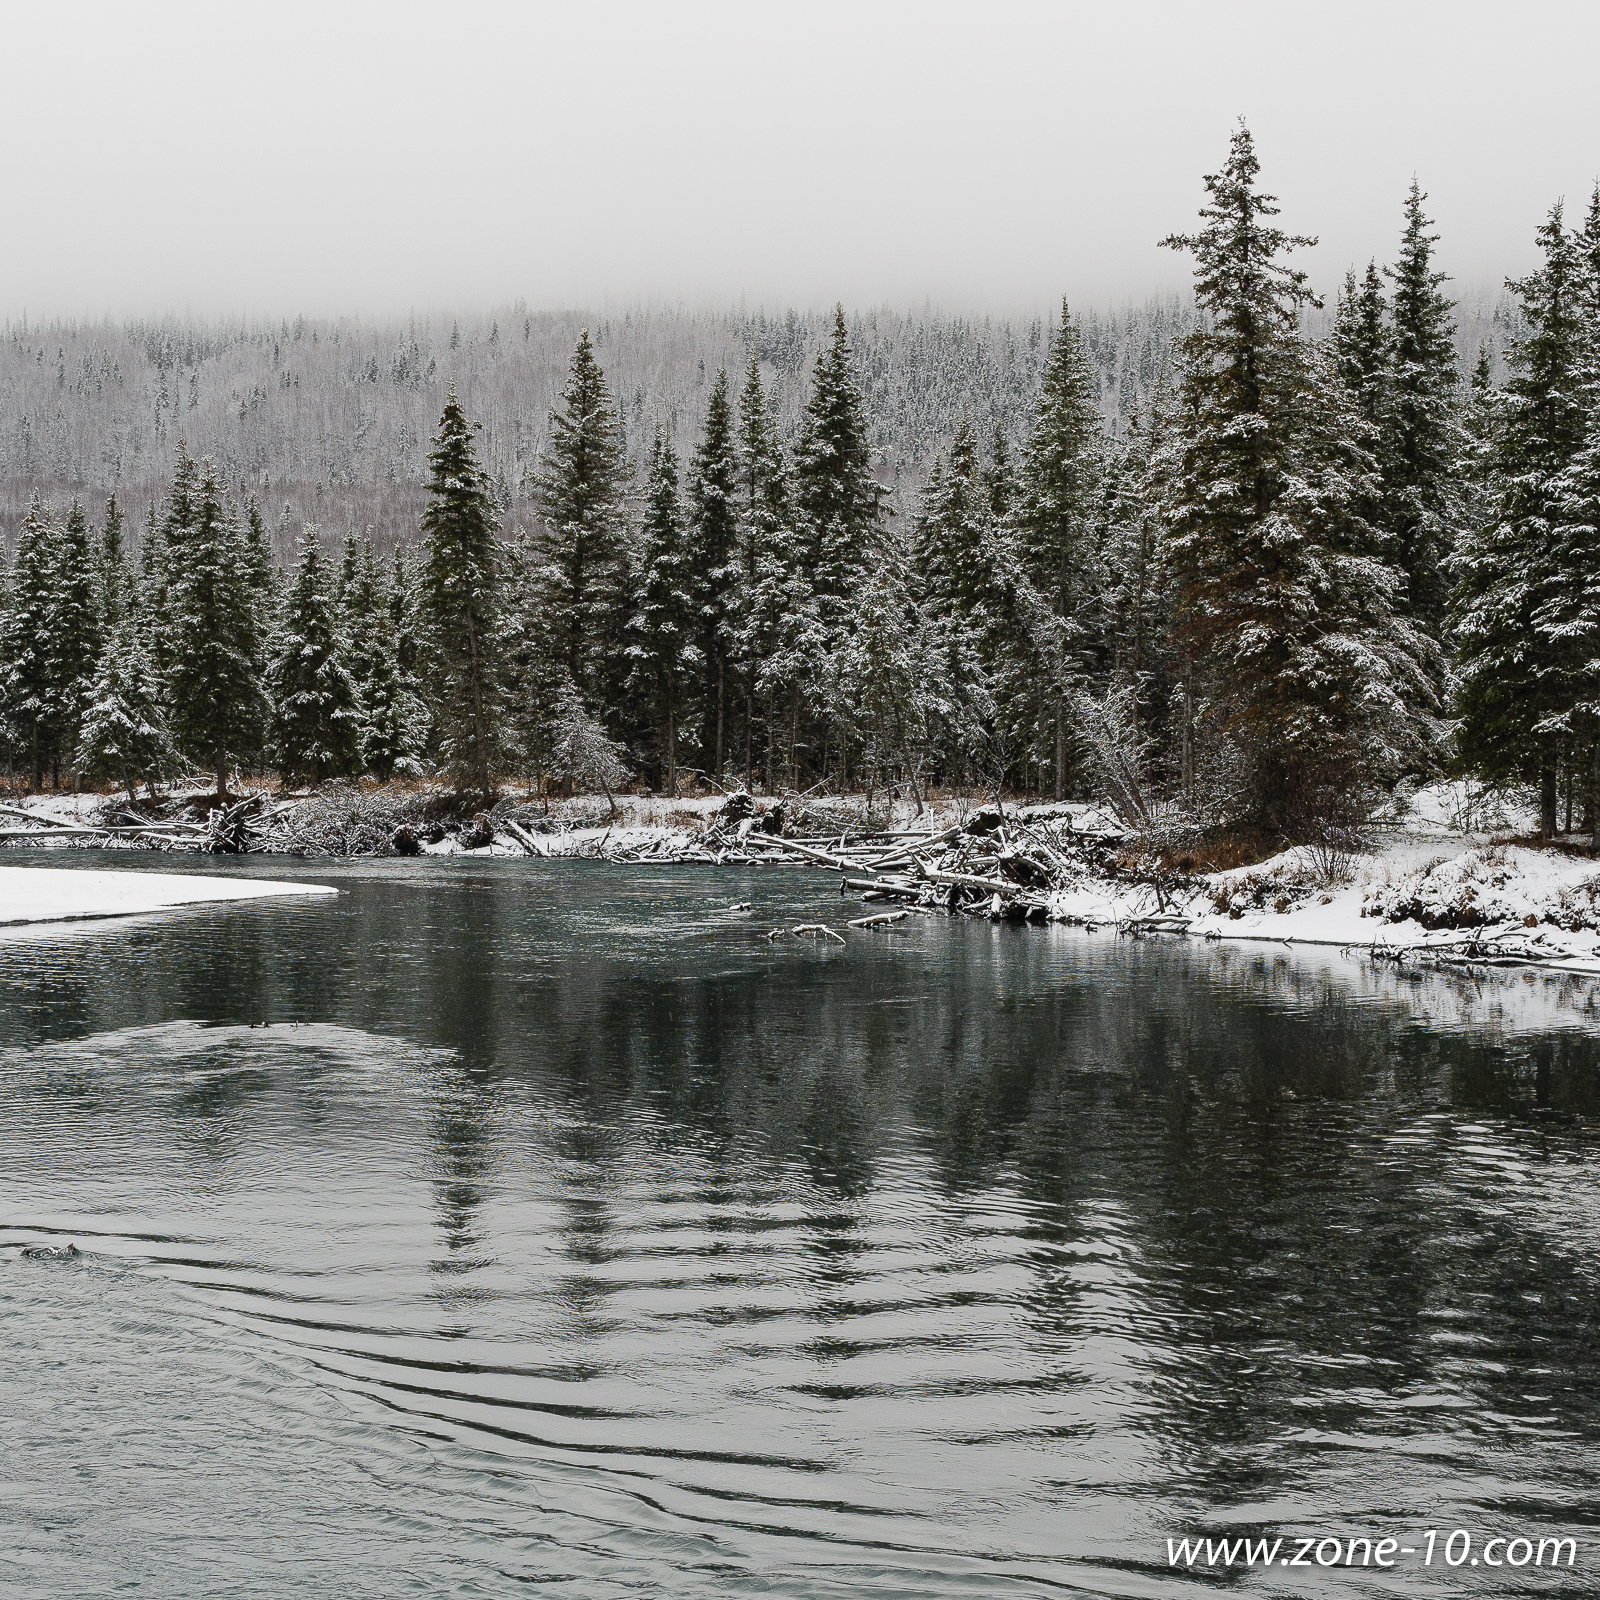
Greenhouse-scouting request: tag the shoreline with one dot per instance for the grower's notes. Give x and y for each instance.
(1427, 893)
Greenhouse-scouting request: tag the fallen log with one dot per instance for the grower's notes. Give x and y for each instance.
(880, 920)
(525, 839)
(827, 859)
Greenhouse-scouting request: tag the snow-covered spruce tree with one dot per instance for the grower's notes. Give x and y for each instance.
(1514, 676)
(661, 639)
(75, 638)
(31, 709)
(1307, 671)
(114, 577)
(580, 493)
(961, 594)
(1363, 346)
(888, 678)
(1421, 434)
(774, 621)
(459, 591)
(316, 720)
(1060, 481)
(713, 568)
(212, 628)
(1136, 598)
(582, 754)
(837, 499)
(260, 563)
(394, 722)
(125, 737)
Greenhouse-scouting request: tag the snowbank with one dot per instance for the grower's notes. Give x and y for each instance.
(50, 894)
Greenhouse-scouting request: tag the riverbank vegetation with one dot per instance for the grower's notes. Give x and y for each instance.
(1300, 570)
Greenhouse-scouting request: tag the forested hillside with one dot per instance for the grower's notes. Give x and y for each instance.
(1248, 564)
(329, 421)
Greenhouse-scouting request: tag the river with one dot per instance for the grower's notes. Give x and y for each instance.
(536, 1227)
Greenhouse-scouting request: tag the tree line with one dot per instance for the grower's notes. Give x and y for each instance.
(1302, 567)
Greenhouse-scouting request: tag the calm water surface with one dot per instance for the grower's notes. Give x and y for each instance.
(507, 1228)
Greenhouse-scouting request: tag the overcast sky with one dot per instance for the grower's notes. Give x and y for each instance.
(329, 157)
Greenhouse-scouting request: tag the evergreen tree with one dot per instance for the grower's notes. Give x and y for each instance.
(114, 579)
(960, 593)
(1060, 480)
(839, 501)
(260, 564)
(1309, 674)
(213, 628)
(394, 721)
(1363, 347)
(74, 637)
(316, 706)
(1422, 438)
(890, 678)
(460, 604)
(580, 489)
(713, 566)
(774, 608)
(1515, 689)
(125, 737)
(32, 712)
(663, 654)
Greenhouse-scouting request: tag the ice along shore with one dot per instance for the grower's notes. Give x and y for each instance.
(55, 894)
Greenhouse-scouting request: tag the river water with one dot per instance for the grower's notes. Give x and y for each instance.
(523, 1227)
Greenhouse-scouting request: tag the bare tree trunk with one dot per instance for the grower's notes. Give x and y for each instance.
(1547, 801)
(1594, 795)
(749, 740)
(1061, 750)
(721, 701)
(672, 752)
(1188, 731)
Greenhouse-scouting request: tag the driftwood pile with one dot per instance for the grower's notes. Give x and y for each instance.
(995, 863)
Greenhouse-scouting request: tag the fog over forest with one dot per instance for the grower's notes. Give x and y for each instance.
(328, 421)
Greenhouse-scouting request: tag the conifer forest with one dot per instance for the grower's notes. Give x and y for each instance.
(1246, 555)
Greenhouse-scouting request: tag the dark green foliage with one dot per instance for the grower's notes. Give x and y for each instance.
(1308, 674)
(74, 636)
(461, 610)
(664, 658)
(1422, 437)
(580, 489)
(316, 722)
(213, 627)
(32, 709)
(114, 578)
(713, 567)
(125, 737)
(836, 496)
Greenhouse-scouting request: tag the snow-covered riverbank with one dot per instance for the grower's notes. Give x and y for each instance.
(50, 894)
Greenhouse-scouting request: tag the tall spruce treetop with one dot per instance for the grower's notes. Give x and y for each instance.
(835, 492)
(213, 632)
(1308, 671)
(1547, 410)
(1423, 433)
(1254, 302)
(75, 635)
(1515, 676)
(460, 594)
(1061, 473)
(1588, 242)
(713, 551)
(662, 649)
(580, 490)
(30, 702)
(1362, 345)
